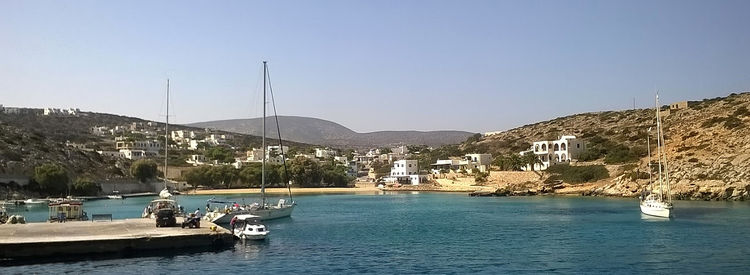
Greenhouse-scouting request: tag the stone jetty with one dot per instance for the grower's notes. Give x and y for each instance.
(36, 240)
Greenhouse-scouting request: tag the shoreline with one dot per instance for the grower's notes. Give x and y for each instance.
(281, 190)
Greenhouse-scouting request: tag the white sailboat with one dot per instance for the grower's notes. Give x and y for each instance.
(165, 200)
(658, 202)
(262, 209)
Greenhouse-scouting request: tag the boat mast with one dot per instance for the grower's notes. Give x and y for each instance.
(166, 139)
(263, 165)
(658, 147)
(648, 146)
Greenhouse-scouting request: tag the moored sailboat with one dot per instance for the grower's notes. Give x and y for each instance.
(165, 200)
(658, 203)
(262, 209)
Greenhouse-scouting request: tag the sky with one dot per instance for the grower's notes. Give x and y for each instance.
(372, 65)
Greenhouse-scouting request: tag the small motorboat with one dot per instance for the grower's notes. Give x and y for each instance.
(36, 201)
(248, 227)
(115, 195)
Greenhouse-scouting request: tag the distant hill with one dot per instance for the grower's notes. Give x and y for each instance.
(324, 132)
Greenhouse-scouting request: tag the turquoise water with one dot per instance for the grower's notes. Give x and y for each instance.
(454, 233)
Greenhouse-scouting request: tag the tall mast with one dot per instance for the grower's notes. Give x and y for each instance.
(265, 150)
(648, 146)
(166, 139)
(658, 146)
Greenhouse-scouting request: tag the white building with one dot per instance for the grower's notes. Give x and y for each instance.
(469, 162)
(405, 172)
(444, 165)
(100, 130)
(373, 153)
(276, 149)
(324, 153)
(132, 154)
(114, 154)
(196, 160)
(341, 159)
(479, 162)
(400, 150)
(182, 135)
(254, 155)
(193, 144)
(150, 147)
(563, 150)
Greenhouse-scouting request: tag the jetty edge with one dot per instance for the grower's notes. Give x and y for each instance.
(49, 240)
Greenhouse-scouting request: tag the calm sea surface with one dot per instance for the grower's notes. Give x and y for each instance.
(452, 233)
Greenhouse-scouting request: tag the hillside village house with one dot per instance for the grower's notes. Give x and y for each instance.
(469, 162)
(132, 154)
(678, 105)
(563, 150)
(196, 160)
(405, 172)
(324, 153)
(150, 147)
(182, 135)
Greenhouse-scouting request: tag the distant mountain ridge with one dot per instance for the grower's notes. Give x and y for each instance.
(324, 132)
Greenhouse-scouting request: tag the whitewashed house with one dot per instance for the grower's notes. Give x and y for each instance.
(472, 162)
(405, 172)
(196, 160)
(150, 147)
(563, 150)
(324, 153)
(132, 154)
(469, 162)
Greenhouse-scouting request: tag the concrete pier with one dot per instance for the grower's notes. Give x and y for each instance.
(120, 236)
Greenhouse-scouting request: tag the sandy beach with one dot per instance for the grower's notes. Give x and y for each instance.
(358, 189)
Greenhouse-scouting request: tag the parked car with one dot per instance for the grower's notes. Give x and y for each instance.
(165, 218)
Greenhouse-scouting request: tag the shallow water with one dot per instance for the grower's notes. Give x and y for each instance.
(454, 233)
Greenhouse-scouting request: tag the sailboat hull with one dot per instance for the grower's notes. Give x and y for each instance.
(271, 213)
(656, 209)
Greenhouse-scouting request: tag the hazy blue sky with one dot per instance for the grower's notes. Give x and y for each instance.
(372, 65)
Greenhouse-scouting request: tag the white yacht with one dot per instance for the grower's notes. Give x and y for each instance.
(658, 201)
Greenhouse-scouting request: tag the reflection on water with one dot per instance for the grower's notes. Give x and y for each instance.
(649, 218)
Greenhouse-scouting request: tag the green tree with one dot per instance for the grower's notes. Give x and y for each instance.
(481, 177)
(224, 175)
(143, 169)
(305, 172)
(84, 186)
(220, 154)
(335, 175)
(197, 176)
(52, 179)
(530, 159)
(251, 175)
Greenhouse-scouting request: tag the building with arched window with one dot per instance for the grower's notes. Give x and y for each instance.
(563, 150)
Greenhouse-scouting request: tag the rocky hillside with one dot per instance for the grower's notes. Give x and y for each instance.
(708, 146)
(30, 139)
(324, 132)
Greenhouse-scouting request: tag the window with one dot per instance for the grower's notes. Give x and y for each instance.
(410, 165)
(578, 145)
